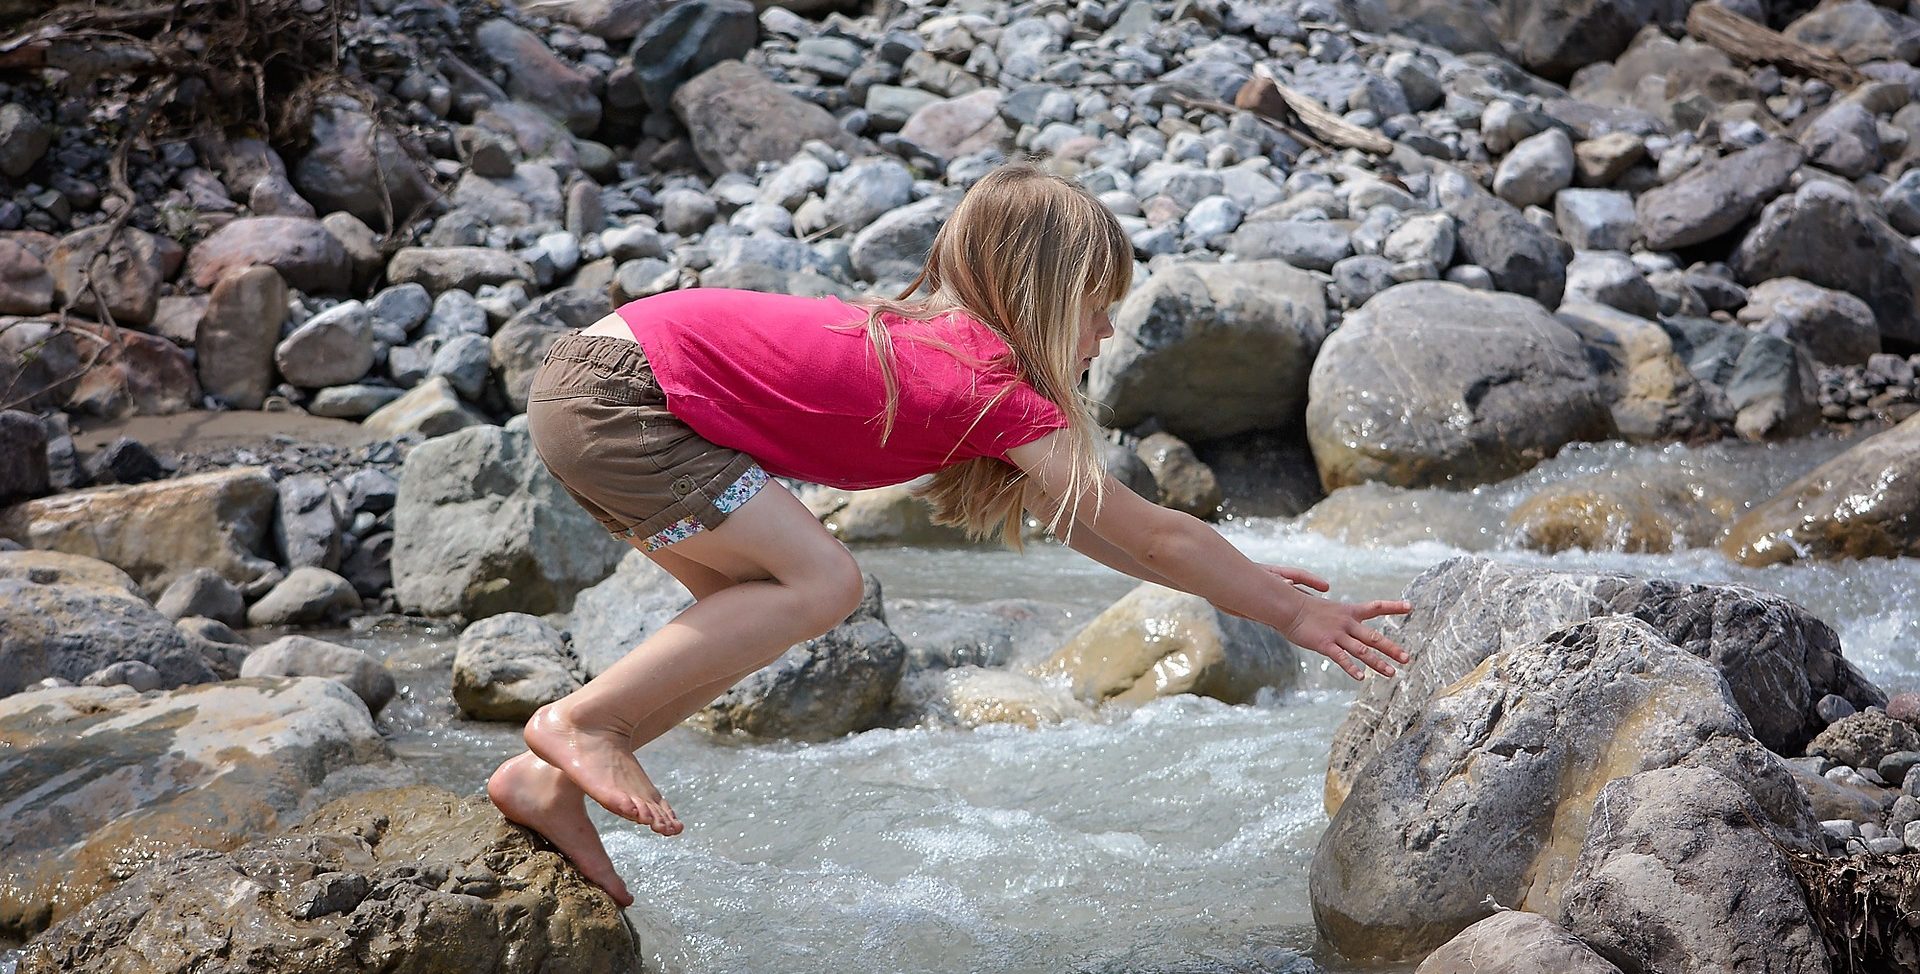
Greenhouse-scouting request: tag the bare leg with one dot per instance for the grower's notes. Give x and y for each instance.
(804, 584)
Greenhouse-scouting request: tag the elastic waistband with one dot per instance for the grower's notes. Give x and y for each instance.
(598, 350)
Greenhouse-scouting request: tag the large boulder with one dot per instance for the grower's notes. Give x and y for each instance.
(1213, 349)
(1678, 873)
(834, 684)
(158, 531)
(1157, 642)
(482, 528)
(681, 42)
(536, 76)
(306, 255)
(1716, 196)
(1828, 234)
(612, 616)
(1435, 384)
(1554, 40)
(238, 334)
(1489, 795)
(410, 879)
(1778, 659)
(521, 344)
(355, 165)
(1864, 503)
(1857, 31)
(510, 665)
(56, 621)
(1512, 942)
(737, 118)
(103, 779)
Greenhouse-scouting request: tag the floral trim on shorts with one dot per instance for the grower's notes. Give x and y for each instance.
(736, 494)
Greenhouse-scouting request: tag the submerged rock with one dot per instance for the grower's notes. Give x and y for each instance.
(972, 696)
(102, 779)
(414, 879)
(1157, 642)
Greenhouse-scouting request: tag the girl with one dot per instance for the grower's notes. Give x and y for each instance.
(664, 420)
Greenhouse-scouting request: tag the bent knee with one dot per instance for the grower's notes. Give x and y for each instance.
(835, 588)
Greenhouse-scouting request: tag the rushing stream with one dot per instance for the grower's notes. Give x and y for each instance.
(1177, 837)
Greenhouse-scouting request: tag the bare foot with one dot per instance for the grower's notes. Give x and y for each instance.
(533, 793)
(601, 762)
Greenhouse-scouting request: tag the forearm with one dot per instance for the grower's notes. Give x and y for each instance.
(1194, 558)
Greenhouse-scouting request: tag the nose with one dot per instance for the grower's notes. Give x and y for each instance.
(1106, 327)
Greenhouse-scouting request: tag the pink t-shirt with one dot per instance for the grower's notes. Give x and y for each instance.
(763, 374)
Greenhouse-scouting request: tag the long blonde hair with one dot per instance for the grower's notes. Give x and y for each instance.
(1029, 254)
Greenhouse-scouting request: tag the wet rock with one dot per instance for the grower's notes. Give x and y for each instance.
(127, 270)
(482, 528)
(157, 532)
(356, 166)
(972, 696)
(1653, 395)
(839, 683)
(431, 409)
(25, 286)
(1777, 658)
(416, 876)
(510, 665)
(23, 456)
(1836, 328)
(238, 335)
(1209, 353)
(536, 76)
(685, 40)
(942, 634)
(307, 256)
(1832, 707)
(202, 592)
(1617, 514)
(1864, 503)
(1512, 942)
(1185, 484)
(1676, 875)
(306, 595)
(1542, 725)
(1506, 389)
(306, 656)
(1895, 766)
(1827, 234)
(737, 118)
(1157, 642)
(104, 779)
(456, 268)
(1716, 196)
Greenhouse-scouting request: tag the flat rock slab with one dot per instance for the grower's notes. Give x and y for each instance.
(102, 779)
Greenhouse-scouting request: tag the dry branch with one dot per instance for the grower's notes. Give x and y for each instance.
(1266, 96)
(1748, 42)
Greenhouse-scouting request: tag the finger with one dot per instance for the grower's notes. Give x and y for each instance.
(1346, 662)
(1300, 576)
(1383, 607)
(1367, 654)
(1378, 640)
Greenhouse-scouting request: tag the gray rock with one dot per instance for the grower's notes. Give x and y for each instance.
(103, 780)
(351, 401)
(1516, 255)
(203, 592)
(521, 344)
(1901, 202)
(685, 40)
(1777, 658)
(1595, 219)
(466, 361)
(867, 190)
(531, 195)
(237, 337)
(1211, 218)
(1505, 389)
(1512, 942)
(1184, 483)
(1186, 344)
(370, 568)
(1863, 739)
(1858, 32)
(25, 286)
(307, 256)
(836, 684)
(449, 268)
(332, 348)
(959, 126)
(1542, 724)
(23, 139)
(133, 674)
(455, 313)
(1675, 875)
(536, 76)
(895, 246)
(1314, 245)
(1429, 238)
(306, 656)
(1832, 707)
(357, 166)
(69, 629)
(1844, 139)
(1362, 276)
(482, 528)
(307, 524)
(23, 456)
(686, 211)
(306, 595)
(1716, 196)
(1611, 279)
(402, 306)
(1769, 382)
(1836, 327)
(431, 409)
(510, 665)
(1894, 767)
(1538, 167)
(1827, 234)
(737, 118)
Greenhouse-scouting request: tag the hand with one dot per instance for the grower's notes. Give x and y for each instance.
(1338, 631)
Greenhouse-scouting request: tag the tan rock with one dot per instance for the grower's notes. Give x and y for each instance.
(238, 334)
(60, 568)
(1864, 503)
(133, 374)
(1654, 396)
(431, 409)
(156, 532)
(1620, 514)
(972, 696)
(1157, 642)
(128, 272)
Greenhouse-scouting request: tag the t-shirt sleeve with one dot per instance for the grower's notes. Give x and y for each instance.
(1019, 418)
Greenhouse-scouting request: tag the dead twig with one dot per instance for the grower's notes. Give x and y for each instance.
(1748, 42)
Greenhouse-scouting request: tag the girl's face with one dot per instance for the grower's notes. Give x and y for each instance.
(1096, 328)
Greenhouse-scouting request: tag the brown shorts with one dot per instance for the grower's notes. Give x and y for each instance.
(599, 421)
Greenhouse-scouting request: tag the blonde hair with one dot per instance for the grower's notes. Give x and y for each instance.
(1029, 254)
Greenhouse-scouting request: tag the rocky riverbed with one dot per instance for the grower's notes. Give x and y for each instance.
(1619, 295)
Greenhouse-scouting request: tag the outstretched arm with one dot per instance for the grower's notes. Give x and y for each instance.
(1182, 552)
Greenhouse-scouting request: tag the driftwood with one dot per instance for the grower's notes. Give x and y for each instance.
(1746, 41)
(1266, 96)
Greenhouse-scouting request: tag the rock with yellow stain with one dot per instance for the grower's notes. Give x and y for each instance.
(102, 779)
(1777, 658)
(1512, 942)
(1489, 795)
(1157, 642)
(1676, 876)
(1617, 512)
(1864, 503)
(973, 696)
(1651, 393)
